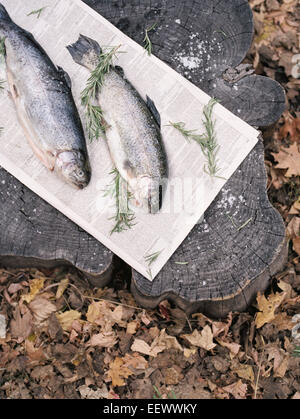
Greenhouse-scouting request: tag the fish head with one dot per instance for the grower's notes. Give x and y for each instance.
(148, 191)
(74, 167)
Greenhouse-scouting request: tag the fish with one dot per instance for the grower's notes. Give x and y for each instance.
(46, 110)
(133, 130)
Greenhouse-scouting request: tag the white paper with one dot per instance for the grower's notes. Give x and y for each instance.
(190, 190)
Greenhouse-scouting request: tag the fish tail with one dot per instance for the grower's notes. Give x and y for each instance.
(3, 14)
(85, 52)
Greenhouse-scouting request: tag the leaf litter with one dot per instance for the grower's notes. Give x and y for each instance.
(69, 341)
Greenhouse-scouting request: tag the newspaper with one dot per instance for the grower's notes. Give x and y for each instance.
(152, 240)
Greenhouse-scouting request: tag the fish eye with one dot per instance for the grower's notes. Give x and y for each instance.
(80, 173)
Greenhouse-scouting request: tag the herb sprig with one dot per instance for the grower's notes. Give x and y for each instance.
(124, 217)
(150, 259)
(147, 40)
(207, 141)
(37, 12)
(96, 124)
(211, 148)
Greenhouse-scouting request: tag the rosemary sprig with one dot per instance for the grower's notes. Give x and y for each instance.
(124, 216)
(152, 257)
(189, 135)
(211, 145)
(242, 226)
(2, 84)
(147, 40)
(37, 12)
(94, 115)
(208, 141)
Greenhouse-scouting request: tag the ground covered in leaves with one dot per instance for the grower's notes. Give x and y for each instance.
(60, 339)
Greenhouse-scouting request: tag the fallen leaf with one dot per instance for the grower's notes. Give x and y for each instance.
(104, 340)
(21, 326)
(296, 245)
(289, 158)
(34, 354)
(88, 393)
(245, 371)
(202, 340)
(267, 307)
(170, 342)
(238, 389)
(142, 347)
(41, 308)
(295, 209)
(63, 285)
(36, 285)
(132, 327)
(118, 371)
(283, 322)
(293, 228)
(67, 318)
(135, 361)
(233, 347)
(172, 376)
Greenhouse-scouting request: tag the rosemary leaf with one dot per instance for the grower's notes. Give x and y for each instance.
(207, 141)
(147, 40)
(37, 12)
(124, 216)
(152, 258)
(95, 122)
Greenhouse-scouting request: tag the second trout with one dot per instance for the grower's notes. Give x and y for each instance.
(133, 129)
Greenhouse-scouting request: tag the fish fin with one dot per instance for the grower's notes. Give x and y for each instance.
(3, 14)
(65, 76)
(153, 109)
(129, 169)
(85, 52)
(120, 70)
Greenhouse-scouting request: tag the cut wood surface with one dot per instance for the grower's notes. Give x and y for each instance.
(241, 242)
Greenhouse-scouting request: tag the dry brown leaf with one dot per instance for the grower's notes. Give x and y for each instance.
(41, 308)
(170, 342)
(67, 318)
(234, 348)
(104, 340)
(296, 245)
(21, 326)
(36, 285)
(96, 311)
(289, 158)
(34, 354)
(267, 307)
(202, 340)
(238, 389)
(118, 371)
(132, 327)
(283, 322)
(295, 209)
(63, 285)
(282, 367)
(88, 393)
(293, 228)
(245, 371)
(142, 347)
(135, 361)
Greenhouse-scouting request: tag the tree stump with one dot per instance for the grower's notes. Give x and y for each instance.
(241, 242)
